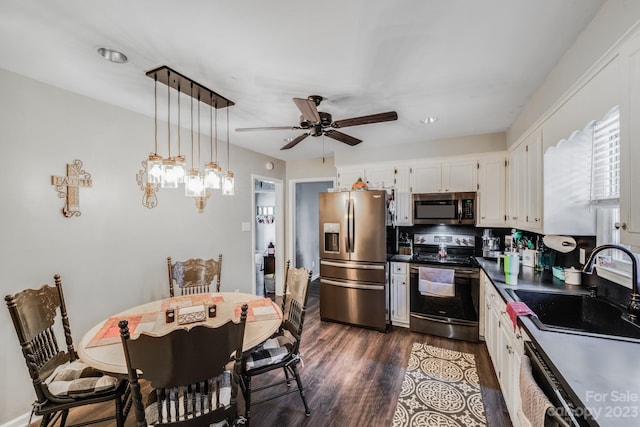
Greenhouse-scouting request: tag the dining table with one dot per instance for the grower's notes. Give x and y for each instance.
(101, 347)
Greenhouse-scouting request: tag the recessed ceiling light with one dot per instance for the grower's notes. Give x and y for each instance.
(428, 120)
(288, 139)
(112, 55)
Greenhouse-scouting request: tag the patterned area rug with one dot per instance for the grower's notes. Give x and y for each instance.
(440, 388)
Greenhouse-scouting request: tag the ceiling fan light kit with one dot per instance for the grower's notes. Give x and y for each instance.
(319, 123)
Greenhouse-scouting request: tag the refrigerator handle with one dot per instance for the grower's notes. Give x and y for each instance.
(348, 247)
(352, 220)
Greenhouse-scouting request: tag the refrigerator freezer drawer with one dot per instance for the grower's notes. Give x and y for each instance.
(355, 303)
(353, 271)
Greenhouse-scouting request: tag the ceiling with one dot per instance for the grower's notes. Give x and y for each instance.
(472, 64)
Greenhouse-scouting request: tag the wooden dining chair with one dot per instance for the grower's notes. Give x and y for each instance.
(60, 380)
(282, 350)
(194, 276)
(191, 382)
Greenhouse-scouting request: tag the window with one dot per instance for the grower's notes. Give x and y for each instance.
(605, 167)
(605, 195)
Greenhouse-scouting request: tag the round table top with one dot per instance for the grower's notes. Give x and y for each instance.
(101, 346)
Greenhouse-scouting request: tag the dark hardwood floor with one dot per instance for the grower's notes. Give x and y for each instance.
(352, 377)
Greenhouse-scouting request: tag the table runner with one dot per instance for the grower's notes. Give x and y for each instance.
(259, 309)
(109, 333)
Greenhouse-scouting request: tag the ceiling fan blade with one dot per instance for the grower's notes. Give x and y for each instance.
(342, 137)
(295, 141)
(308, 109)
(268, 128)
(365, 120)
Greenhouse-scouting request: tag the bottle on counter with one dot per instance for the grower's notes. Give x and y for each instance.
(271, 249)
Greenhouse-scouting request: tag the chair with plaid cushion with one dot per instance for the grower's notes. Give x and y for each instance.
(193, 372)
(194, 276)
(60, 380)
(282, 350)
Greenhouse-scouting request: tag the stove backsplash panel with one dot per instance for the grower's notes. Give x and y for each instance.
(404, 235)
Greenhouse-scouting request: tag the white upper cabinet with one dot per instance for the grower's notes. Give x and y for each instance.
(426, 178)
(534, 184)
(630, 147)
(448, 176)
(492, 188)
(379, 177)
(460, 176)
(347, 176)
(402, 196)
(525, 184)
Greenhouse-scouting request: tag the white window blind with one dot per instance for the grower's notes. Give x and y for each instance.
(605, 166)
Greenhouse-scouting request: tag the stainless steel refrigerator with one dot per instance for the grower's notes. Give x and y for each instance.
(353, 258)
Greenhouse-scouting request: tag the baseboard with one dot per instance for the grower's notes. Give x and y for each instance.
(20, 421)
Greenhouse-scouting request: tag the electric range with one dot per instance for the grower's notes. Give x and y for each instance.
(453, 310)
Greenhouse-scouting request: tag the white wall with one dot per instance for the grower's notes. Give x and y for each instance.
(615, 19)
(440, 148)
(114, 255)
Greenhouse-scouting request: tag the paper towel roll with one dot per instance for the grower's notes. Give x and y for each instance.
(562, 244)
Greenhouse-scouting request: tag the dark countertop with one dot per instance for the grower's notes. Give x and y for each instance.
(601, 374)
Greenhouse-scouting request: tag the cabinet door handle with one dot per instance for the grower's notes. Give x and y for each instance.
(619, 225)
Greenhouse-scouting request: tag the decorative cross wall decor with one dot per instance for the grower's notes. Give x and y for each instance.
(69, 187)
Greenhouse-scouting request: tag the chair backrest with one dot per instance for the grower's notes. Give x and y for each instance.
(184, 368)
(294, 301)
(35, 317)
(194, 276)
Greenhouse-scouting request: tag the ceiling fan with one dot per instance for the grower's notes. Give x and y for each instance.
(316, 123)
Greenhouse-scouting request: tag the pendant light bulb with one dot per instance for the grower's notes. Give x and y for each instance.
(169, 177)
(228, 184)
(194, 184)
(154, 169)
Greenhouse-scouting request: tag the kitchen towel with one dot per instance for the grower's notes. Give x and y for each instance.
(517, 308)
(436, 282)
(535, 404)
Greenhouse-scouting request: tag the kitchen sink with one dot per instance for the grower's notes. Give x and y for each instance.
(579, 314)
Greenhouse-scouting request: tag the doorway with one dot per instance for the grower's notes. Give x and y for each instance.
(303, 243)
(267, 235)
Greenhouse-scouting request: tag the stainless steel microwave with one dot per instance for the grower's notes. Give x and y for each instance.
(444, 208)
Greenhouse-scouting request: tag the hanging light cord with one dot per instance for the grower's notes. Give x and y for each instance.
(228, 143)
(155, 109)
(216, 135)
(198, 129)
(179, 147)
(169, 113)
(211, 129)
(191, 125)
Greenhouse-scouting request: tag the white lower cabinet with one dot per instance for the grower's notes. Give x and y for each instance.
(506, 347)
(400, 294)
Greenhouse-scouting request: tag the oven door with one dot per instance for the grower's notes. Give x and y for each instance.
(453, 317)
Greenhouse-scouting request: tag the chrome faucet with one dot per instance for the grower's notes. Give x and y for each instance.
(633, 309)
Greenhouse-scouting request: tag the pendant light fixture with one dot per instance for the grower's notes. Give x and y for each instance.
(194, 184)
(228, 181)
(212, 175)
(154, 163)
(181, 162)
(169, 178)
(169, 172)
